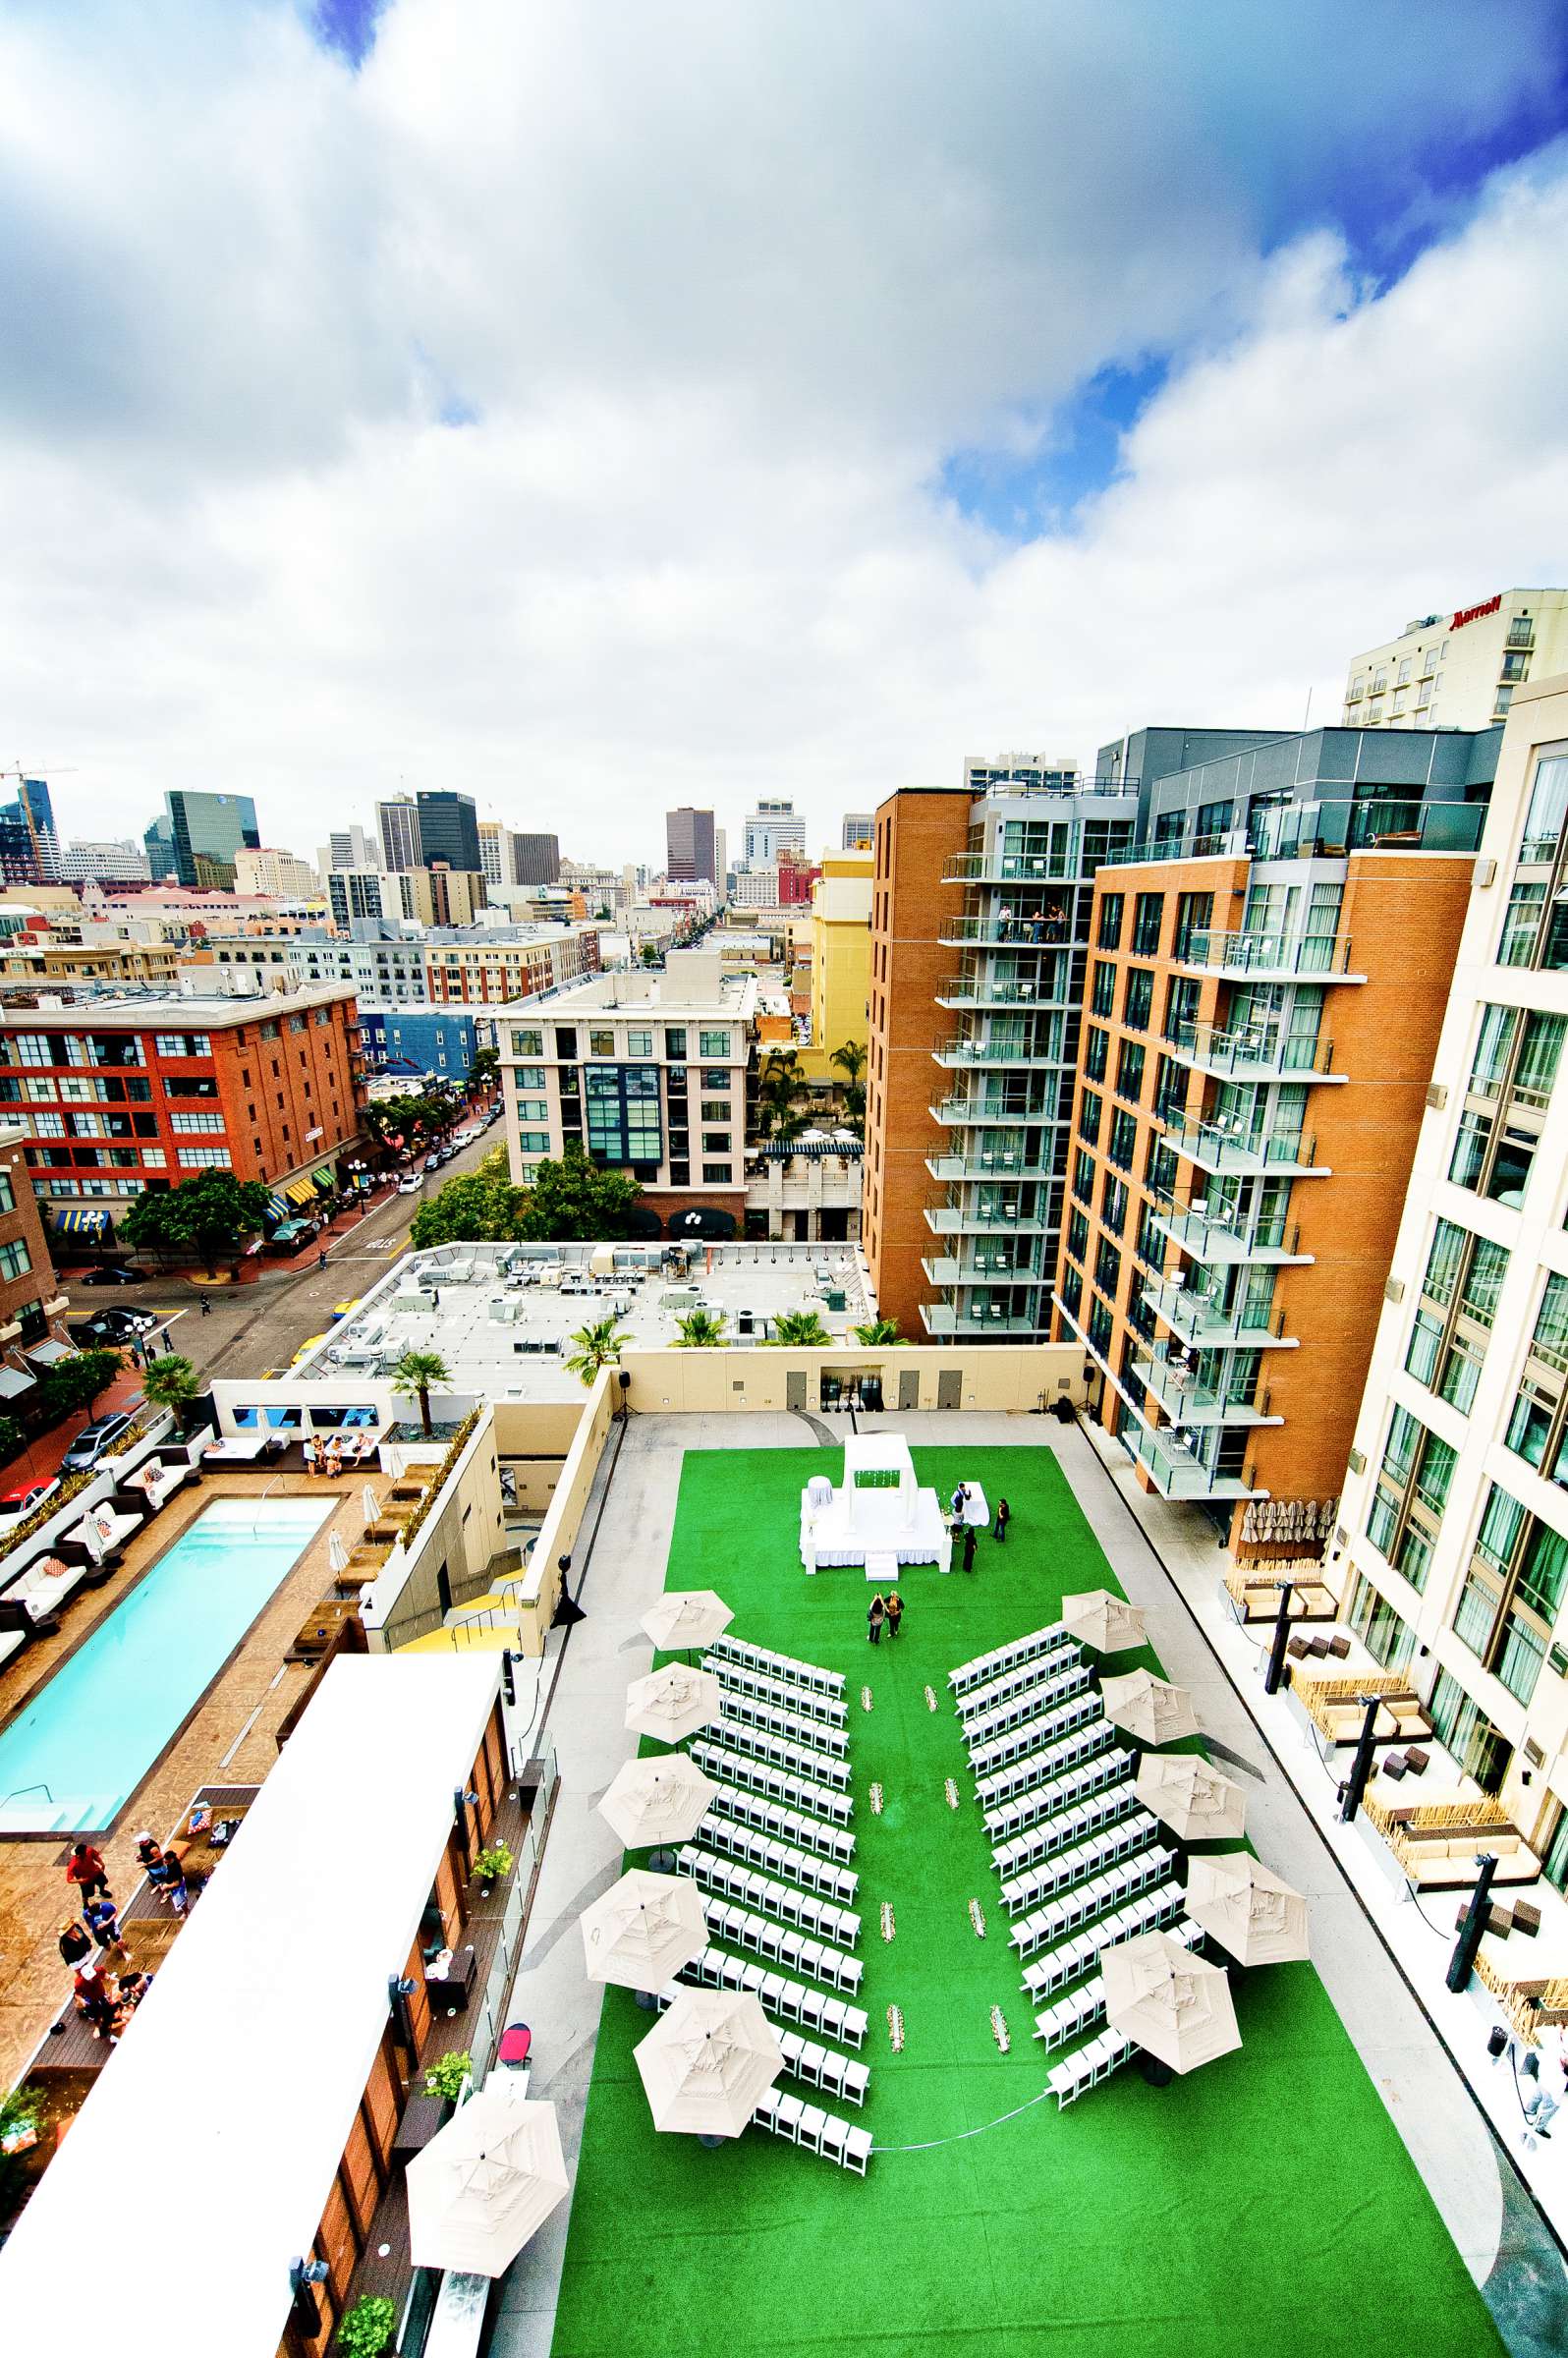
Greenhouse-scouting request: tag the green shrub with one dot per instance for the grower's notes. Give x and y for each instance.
(493, 1863)
(445, 2076)
(366, 2327)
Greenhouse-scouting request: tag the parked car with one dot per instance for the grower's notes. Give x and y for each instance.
(111, 1328)
(432, 1161)
(112, 1273)
(97, 1440)
(409, 1183)
(17, 1505)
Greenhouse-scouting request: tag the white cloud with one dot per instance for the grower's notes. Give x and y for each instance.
(720, 289)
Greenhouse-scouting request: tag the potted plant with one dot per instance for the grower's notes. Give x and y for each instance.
(366, 2327)
(445, 2076)
(493, 1863)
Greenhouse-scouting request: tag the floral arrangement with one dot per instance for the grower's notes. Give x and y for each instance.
(876, 1799)
(895, 2029)
(930, 1698)
(951, 1790)
(890, 1928)
(977, 1917)
(999, 2029)
(865, 1699)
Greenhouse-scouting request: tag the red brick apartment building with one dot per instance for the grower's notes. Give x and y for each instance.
(118, 1096)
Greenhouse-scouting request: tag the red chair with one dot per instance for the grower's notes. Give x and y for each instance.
(516, 2041)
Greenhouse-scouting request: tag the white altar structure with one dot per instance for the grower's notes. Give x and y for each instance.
(879, 1518)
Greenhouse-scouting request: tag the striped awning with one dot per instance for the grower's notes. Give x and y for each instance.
(300, 1191)
(278, 1207)
(85, 1220)
(326, 1180)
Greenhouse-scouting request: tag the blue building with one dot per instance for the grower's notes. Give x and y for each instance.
(415, 1041)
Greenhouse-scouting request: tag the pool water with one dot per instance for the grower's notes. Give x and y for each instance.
(92, 1732)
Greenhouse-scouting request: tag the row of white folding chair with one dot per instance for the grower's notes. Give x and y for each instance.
(1087, 1732)
(1093, 1742)
(780, 1666)
(789, 1724)
(1002, 1658)
(818, 1960)
(1097, 1803)
(1073, 1959)
(1102, 1849)
(1027, 1708)
(799, 1760)
(817, 2066)
(1018, 1681)
(787, 1826)
(817, 2131)
(1087, 2067)
(748, 1774)
(731, 1881)
(786, 1999)
(740, 1678)
(1016, 1743)
(800, 1867)
(1084, 2006)
(1084, 1902)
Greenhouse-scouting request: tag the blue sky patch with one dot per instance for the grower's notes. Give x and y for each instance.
(348, 27)
(1021, 495)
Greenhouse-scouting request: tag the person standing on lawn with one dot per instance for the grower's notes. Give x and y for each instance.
(895, 1613)
(875, 1616)
(1004, 1516)
(969, 1546)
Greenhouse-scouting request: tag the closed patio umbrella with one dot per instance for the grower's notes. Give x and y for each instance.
(1102, 1621)
(708, 2062)
(1194, 1801)
(663, 1799)
(687, 1617)
(643, 1929)
(1247, 1909)
(672, 1703)
(1174, 2006)
(484, 2184)
(337, 1553)
(1149, 1707)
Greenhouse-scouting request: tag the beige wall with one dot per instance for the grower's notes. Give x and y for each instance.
(539, 1595)
(462, 1533)
(995, 1377)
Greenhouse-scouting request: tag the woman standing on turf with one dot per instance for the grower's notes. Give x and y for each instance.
(1004, 1516)
(875, 1616)
(895, 1614)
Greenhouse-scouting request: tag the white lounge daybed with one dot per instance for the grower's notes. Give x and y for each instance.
(241, 1448)
(157, 1482)
(102, 1532)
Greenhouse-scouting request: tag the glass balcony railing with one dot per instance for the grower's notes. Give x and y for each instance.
(1210, 1325)
(1253, 1051)
(962, 1050)
(989, 1161)
(1187, 1398)
(1229, 1235)
(1003, 991)
(1268, 955)
(1322, 830)
(1218, 1146)
(962, 1109)
(975, 1266)
(1018, 928)
(947, 1216)
(1179, 1473)
(947, 1318)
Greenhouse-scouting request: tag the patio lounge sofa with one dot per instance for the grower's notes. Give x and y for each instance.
(32, 1600)
(1441, 1857)
(157, 1480)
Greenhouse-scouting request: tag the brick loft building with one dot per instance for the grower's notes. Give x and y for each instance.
(118, 1096)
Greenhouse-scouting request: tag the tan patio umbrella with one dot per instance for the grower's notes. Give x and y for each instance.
(687, 1617)
(663, 1799)
(485, 2183)
(1098, 1619)
(643, 1929)
(673, 1703)
(1194, 1801)
(707, 2064)
(1176, 2006)
(1247, 1909)
(1149, 1707)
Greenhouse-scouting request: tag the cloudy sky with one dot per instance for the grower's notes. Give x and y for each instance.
(596, 406)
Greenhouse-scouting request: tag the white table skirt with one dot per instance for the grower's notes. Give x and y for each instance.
(975, 1509)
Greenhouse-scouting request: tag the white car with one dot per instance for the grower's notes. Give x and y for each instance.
(409, 1183)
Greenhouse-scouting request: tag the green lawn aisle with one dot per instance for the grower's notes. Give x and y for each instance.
(1266, 2205)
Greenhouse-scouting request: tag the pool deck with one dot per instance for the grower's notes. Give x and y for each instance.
(229, 1738)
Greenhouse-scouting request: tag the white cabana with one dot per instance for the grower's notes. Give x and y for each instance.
(880, 1511)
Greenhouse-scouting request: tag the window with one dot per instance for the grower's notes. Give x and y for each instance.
(1095, 1051)
(1512, 1591)
(534, 1109)
(8, 1194)
(534, 1141)
(1411, 1490)
(1537, 1427)
(715, 1142)
(625, 1123)
(1511, 1078)
(528, 1043)
(204, 1159)
(1083, 1177)
(1548, 806)
(715, 1175)
(530, 1076)
(1113, 1207)
(1387, 1638)
(675, 1041)
(602, 1044)
(194, 1043)
(1123, 1141)
(1139, 997)
(1089, 1113)
(1110, 920)
(1103, 999)
(35, 1047)
(713, 1109)
(1072, 1292)
(639, 1044)
(188, 1124)
(1130, 1070)
(715, 1076)
(713, 1044)
(15, 1260)
(1077, 1235)
(1150, 909)
(1454, 1315)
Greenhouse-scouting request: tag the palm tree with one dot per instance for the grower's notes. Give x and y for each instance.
(779, 1083)
(850, 1062)
(597, 1346)
(880, 1332)
(702, 1330)
(800, 1330)
(171, 1383)
(415, 1372)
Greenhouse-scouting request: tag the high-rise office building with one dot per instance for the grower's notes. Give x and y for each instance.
(201, 833)
(158, 844)
(359, 892)
(1450, 1552)
(1269, 965)
(860, 830)
(30, 849)
(278, 874)
(449, 829)
(399, 822)
(116, 862)
(495, 851)
(535, 860)
(350, 847)
(772, 827)
(690, 851)
(442, 895)
(1459, 669)
(721, 861)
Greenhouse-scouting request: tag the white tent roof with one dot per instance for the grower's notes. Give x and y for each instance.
(216, 2129)
(877, 1454)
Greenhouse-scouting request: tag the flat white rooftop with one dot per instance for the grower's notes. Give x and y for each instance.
(203, 2159)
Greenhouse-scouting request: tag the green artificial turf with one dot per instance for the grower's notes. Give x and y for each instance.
(1265, 2205)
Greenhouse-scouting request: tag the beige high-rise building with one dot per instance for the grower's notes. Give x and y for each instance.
(1458, 670)
(279, 875)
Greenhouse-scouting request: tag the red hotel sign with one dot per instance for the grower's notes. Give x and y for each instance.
(1474, 613)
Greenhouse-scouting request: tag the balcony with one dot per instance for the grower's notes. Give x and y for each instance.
(1016, 1163)
(964, 1112)
(947, 1218)
(978, 1267)
(1223, 1238)
(1216, 1147)
(997, 867)
(1253, 1053)
(1017, 932)
(1268, 957)
(994, 990)
(1207, 1327)
(945, 1320)
(1188, 1401)
(1176, 1472)
(959, 1052)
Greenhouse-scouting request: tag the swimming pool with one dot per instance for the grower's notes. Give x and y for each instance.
(92, 1732)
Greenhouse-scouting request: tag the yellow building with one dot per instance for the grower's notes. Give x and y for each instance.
(841, 958)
